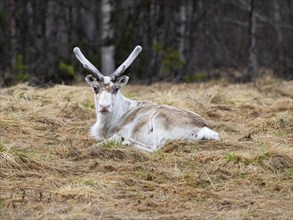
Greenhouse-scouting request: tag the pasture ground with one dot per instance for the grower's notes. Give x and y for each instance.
(50, 168)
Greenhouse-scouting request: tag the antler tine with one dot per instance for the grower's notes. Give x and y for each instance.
(126, 63)
(87, 64)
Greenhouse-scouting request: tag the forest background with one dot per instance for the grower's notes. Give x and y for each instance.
(182, 40)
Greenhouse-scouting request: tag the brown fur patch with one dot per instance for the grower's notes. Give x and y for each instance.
(139, 125)
(165, 118)
(136, 112)
(174, 117)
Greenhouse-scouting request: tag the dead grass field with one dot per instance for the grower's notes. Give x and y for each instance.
(50, 168)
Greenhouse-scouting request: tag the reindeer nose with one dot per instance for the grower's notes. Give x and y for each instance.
(103, 106)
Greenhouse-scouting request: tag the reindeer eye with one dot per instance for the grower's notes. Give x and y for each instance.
(91, 78)
(115, 90)
(96, 89)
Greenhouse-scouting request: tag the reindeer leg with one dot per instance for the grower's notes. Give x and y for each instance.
(144, 147)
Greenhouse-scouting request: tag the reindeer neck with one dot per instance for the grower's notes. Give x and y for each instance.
(121, 106)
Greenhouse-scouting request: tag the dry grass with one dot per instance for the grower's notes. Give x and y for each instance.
(51, 169)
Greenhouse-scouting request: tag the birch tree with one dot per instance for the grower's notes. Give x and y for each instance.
(108, 48)
(12, 35)
(182, 35)
(279, 33)
(253, 64)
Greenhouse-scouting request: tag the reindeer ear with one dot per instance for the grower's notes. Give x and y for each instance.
(122, 81)
(92, 81)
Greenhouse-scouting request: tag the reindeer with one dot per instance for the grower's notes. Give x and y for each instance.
(144, 125)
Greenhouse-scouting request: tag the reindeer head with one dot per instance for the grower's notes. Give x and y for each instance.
(106, 88)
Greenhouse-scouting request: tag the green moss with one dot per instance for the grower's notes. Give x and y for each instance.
(2, 203)
(66, 68)
(197, 77)
(242, 175)
(15, 152)
(110, 144)
(171, 58)
(88, 104)
(231, 157)
(2, 147)
(21, 69)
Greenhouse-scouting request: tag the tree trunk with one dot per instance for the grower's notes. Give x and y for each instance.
(182, 36)
(12, 33)
(253, 64)
(108, 48)
(277, 22)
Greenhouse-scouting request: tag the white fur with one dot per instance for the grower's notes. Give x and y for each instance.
(206, 133)
(107, 79)
(152, 135)
(105, 100)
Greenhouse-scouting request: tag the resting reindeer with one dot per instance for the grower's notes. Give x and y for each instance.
(144, 125)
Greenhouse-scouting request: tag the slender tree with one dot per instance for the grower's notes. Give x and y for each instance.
(108, 47)
(12, 35)
(279, 33)
(253, 63)
(182, 35)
